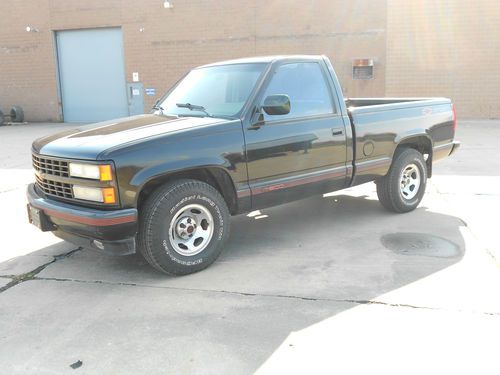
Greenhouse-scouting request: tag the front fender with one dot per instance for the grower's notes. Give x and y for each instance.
(209, 147)
(147, 175)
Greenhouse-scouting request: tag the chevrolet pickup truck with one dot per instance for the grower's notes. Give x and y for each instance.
(230, 138)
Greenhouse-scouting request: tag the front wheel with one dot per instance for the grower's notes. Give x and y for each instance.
(403, 188)
(183, 227)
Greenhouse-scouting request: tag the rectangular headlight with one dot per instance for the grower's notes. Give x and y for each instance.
(101, 195)
(91, 171)
(88, 193)
(84, 171)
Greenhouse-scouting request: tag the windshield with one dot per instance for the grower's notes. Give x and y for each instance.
(221, 91)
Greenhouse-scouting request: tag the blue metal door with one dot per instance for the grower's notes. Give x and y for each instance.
(92, 74)
(135, 92)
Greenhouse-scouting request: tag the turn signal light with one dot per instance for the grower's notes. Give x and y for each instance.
(105, 172)
(108, 195)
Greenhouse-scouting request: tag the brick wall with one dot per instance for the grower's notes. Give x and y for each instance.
(446, 48)
(27, 63)
(174, 40)
(421, 48)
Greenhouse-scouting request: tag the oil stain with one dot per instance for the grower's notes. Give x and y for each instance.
(420, 244)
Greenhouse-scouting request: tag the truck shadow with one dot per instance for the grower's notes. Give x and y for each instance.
(337, 251)
(344, 247)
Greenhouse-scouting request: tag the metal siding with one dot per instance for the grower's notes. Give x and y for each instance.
(92, 75)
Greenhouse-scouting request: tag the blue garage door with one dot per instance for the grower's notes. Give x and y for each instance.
(91, 74)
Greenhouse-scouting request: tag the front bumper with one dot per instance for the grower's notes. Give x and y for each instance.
(113, 232)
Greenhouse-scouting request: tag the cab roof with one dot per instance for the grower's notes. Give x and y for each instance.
(264, 59)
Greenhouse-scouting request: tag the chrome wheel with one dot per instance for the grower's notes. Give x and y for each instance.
(191, 230)
(410, 181)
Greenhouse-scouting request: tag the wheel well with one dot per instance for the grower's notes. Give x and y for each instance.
(421, 144)
(216, 177)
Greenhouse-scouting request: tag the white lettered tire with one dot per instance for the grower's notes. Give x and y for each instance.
(184, 225)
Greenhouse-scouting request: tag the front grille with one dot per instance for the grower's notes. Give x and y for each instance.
(55, 188)
(46, 167)
(50, 166)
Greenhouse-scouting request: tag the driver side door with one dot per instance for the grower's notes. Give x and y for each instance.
(301, 153)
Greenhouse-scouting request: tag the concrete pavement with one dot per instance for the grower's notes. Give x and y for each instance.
(331, 284)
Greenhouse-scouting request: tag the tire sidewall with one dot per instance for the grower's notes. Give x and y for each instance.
(166, 210)
(413, 158)
(17, 114)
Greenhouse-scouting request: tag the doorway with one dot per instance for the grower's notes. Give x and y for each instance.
(92, 74)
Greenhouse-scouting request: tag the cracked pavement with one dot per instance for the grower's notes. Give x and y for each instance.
(14, 279)
(311, 288)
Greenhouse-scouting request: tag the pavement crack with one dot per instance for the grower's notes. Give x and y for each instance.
(8, 190)
(31, 275)
(267, 295)
(468, 193)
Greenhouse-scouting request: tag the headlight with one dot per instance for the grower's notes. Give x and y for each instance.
(103, 195)
(92, 171)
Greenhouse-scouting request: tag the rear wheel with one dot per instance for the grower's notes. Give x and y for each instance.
(183, 227)
(403, 188)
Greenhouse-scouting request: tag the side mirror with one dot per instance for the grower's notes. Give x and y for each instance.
(277, 105)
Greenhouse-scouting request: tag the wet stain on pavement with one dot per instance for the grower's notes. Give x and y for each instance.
(421, 244)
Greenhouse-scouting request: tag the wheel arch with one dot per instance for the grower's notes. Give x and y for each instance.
(422, 143)
(217, 177)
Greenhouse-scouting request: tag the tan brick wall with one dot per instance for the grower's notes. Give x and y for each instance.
(27, 63)
(446, 48)
(194, 32)
(431, 47)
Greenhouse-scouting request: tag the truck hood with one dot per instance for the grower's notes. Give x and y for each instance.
(87, 142)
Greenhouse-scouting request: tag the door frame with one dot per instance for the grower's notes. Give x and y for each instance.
(300, 178)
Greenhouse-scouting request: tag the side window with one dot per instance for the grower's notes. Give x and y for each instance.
(305, 84)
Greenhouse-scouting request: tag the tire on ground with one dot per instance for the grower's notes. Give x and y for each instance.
(16, 114)
(165, 212)
(389, 187)
(2, 118)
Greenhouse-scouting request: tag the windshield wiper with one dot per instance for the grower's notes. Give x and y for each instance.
(158, 107)
(194, 107)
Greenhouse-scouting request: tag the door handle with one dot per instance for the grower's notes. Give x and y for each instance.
(337, 132)
(130, 95)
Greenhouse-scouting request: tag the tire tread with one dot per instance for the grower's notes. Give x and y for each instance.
(388, 186)
(150, 211)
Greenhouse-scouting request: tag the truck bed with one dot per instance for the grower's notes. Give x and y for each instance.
(368, 102)
(380, 124)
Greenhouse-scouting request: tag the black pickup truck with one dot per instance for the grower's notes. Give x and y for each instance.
(229, 138)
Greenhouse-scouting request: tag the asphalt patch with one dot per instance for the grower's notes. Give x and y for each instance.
(421, 244)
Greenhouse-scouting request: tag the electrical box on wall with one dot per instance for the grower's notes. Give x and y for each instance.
(362, 68)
